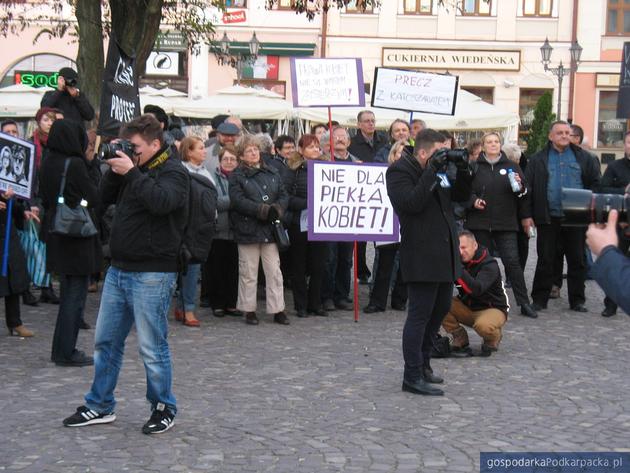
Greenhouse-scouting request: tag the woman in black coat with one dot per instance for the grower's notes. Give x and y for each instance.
(17, 279)
(74, 259)
(495, 210)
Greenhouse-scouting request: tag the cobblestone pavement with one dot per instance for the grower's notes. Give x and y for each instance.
(323, 394)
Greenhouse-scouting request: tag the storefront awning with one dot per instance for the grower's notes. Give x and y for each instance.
(275, 49)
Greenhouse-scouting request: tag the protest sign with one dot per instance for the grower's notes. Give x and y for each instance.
(327, 82)
(120, 102)
(349, 202)
(17, 161)
(414, 91)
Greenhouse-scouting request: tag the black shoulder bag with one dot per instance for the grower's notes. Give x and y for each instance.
(71, 222)
(280, 234)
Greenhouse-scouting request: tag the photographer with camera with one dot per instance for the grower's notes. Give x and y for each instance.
(611, 270)
(559, 165)
(422, 196)
(150, 189)
(615, 180)
(68, 98)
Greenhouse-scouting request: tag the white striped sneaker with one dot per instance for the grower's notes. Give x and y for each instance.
(161, 420)
(85, 416)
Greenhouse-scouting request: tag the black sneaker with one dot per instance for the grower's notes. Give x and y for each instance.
(85, 416)
(161, 420)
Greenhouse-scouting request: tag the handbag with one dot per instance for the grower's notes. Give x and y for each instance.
(35, 251)
(280, 234)
(72, 222)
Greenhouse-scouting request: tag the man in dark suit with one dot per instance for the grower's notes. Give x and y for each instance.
(422, 195)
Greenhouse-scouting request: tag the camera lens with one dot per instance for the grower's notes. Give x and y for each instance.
(582, 207)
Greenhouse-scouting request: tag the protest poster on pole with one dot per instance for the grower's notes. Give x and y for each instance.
(17, 161)
(349, 202)
(623, 98)
(414, 91)
(120, 102)
(336, 82)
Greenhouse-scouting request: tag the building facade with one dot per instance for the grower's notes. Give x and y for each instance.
(493, 47)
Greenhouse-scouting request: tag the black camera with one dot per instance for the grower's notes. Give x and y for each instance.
(71, 82)
(108, 150)
(458, 155)
(582, 207)
(443, 156)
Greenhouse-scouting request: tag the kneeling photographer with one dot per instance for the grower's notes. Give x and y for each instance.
(150, 189)
(482, 302)
(422, 195)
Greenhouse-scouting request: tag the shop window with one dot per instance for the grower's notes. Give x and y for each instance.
(476, 7)
(285, 4)
(618, 17)
(527, 103)
(485, 93)
(235, 3)
(358, 6)
(418, 7)
(537, 7)
(610, 130)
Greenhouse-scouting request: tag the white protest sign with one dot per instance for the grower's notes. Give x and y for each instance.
(414, 91)
(334, 82)
(349, 202)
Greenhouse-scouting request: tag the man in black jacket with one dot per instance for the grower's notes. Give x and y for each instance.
(422, 195)
(150, 190)
(482, 302)
(615, 181)
(68, 98)
(560, 164)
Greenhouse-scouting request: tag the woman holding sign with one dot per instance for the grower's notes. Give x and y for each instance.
(308, 257)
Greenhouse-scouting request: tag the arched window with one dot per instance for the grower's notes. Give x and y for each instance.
(37, 68)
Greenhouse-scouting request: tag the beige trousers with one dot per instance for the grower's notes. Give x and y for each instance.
(487, 323)
(248, 257)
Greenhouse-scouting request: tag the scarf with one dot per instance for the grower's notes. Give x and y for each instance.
(39, 140)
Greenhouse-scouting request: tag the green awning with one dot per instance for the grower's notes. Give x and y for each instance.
(275, 49)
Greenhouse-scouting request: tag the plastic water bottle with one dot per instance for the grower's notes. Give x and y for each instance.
(516, 187)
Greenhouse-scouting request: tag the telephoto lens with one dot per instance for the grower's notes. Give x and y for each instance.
(582, 207)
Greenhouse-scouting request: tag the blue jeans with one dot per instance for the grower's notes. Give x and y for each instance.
(128, 297)
(188, 288)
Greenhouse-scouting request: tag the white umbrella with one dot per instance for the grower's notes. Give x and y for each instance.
(20, 100)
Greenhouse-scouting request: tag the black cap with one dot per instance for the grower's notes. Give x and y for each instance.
(68, 73)
(158, 112)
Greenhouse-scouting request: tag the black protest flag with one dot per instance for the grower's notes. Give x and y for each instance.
(623, 98)
(120, 102)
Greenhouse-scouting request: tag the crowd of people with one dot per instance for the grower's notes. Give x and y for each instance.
(486, 204)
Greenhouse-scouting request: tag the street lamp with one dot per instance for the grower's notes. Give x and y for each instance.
(224, 53)
(561, 70)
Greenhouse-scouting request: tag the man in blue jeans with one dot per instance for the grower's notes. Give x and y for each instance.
(150, 190)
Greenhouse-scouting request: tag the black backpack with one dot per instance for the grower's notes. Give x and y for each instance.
(201, 222)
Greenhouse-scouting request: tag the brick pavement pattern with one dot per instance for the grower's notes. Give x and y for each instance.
(323, 395)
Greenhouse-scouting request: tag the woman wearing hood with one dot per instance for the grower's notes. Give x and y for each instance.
(74, 259)
(307, 257)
